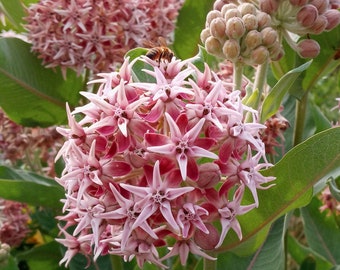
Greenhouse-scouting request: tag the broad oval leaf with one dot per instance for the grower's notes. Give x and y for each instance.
(295, 173)
(32, 95)
(272, 102)
(31, 188)
(190, 22)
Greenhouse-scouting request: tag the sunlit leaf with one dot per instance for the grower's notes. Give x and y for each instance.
(190, 22)
(295, 176)
(32, 95)
(14, 11)
(275, 97)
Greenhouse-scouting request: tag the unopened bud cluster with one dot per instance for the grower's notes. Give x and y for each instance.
(302, 16)
(241, 34)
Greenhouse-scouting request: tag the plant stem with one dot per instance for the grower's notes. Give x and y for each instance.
(116, 262)
(260, 81)
(237, 75)
(300, 117)
(209, 264)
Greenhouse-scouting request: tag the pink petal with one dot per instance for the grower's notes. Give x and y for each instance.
(116, 168)
(174, 130)
(182, 163)
(155, 139)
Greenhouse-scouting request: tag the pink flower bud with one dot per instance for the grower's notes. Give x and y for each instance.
(212, 15)
(276, 52)
(235, 28)
(269, 36)
(269, 6)
(321, 5)
(247, 8)
(227, 7)
(205, 34)
(253, 39)
(263, 20)
(308, 48)
(307, 15)
(250, 21)
(207, 241)
(231, 49)
(333, 18)
(260, 55)
(209, 175)
(319, 25)
(299, 3)
(213, 46)
(231, 13)
(217, 28)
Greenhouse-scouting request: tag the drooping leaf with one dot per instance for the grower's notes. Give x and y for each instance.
(274, 99)
(295, 176)
(299, 253)
(31, 188)
(30, 94)
(322, 232)
(190, 22)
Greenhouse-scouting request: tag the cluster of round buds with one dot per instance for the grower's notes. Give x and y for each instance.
(95, 35)
(159, 162)
(241, 33)
(302, 17)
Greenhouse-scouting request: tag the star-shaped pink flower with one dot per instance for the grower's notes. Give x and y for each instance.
(181, 145)
(156, 196)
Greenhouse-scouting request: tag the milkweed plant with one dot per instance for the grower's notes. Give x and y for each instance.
(169, 134)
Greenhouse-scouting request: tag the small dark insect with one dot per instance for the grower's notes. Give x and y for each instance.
(159, 52)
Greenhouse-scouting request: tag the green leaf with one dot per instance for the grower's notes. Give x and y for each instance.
(299, 253)
(324, 63)
(31, 188)
(274, 99)
(43, 257)
(334, 187)
(295, 176)
(190, 23)
(32, 95)
(14, 11)
(322, 232)
(138, 73)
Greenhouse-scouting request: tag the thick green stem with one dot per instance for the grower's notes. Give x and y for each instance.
(116, 262)
(237, 75)
(260, 81)
(209, 264)
(300, 117)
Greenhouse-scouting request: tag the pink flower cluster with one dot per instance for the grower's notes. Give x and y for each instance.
(93, 34)
(166, 158)
(14, 220)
